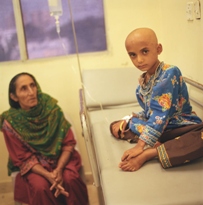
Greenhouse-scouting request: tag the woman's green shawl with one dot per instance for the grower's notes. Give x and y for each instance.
(43, 127)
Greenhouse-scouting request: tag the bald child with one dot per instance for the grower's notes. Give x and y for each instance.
(166, 111)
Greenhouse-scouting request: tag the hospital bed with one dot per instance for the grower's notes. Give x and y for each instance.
(109, 95)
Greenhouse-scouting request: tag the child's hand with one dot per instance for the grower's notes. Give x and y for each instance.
(135, 151)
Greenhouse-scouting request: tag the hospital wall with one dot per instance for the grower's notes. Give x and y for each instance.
(182, 42)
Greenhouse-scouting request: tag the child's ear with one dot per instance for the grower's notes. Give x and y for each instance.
(159, 48)
(13, 97)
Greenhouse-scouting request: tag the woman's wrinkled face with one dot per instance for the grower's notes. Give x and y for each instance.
(26, 92)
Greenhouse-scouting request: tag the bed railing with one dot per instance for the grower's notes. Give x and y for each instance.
(196, 85)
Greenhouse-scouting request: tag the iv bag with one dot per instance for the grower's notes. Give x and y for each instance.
(55, 7)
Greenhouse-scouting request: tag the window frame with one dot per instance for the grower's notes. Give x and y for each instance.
(22, 38)
(20, 30)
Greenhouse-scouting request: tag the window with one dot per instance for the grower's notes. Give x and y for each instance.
(9, 49)
(40, 33)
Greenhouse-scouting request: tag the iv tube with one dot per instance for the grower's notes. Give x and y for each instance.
(55, 8)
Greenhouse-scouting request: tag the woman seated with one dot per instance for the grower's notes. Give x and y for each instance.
(41, 145)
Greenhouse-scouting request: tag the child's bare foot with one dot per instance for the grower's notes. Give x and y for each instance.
(136, 163)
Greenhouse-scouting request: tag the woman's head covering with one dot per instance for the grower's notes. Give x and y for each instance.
(43, 127)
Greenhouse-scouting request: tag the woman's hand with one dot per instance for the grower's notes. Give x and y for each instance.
(58, 175)
(55, 178)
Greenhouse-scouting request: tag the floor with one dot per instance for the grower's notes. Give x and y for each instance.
(6, 194)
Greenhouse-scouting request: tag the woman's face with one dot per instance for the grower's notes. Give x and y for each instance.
(26, 92)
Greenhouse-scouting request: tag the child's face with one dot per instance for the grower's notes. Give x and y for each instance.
(143, 51)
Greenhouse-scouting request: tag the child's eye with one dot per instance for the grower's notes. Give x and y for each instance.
(132, 54)
(145, 51)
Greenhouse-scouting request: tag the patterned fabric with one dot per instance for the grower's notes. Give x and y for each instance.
(24, 157)
(43, 127)
(165, 104)
(183, 145)
(163, 157)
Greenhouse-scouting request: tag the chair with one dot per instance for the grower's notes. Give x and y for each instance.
(13, 178)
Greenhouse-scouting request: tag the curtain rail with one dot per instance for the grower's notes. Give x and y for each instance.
(196, 85)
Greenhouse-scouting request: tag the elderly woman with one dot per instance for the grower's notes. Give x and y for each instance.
(41, 145)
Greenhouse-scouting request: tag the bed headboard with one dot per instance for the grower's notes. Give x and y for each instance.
(196, 95)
